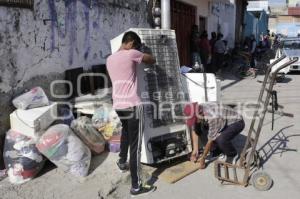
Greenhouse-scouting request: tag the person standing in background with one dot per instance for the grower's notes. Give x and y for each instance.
(252, 50)
(205, 50)
(219, 51)
(212, 41)
(194, 46)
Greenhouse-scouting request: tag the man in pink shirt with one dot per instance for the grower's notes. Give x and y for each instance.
(122, 68)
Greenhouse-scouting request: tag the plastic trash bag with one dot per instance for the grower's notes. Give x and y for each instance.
(34, 98)
(3, 174)
(62, 147)
(84, 129)
(107, 121)
(114, 144)
(185, 69)
(22, 159)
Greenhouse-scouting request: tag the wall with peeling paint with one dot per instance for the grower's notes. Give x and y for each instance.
(38, 46)
(221, 17)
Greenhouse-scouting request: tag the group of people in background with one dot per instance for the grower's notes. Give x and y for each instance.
(207, 52)
(211, 53)
(258, 47)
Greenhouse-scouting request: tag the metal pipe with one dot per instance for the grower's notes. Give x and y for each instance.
(165, 14)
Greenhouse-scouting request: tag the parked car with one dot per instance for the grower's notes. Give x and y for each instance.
(289, 46)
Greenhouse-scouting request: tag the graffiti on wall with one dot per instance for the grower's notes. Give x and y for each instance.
(221, 17)
(66, 27)
(70, 25)
(217, 8)
(61, 34)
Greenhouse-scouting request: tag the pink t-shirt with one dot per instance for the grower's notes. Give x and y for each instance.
(122, 69)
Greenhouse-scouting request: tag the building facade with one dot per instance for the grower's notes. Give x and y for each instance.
(37, 45)
(285, 18)
(225, 16)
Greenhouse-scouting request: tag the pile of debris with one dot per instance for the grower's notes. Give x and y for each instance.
(42, 130)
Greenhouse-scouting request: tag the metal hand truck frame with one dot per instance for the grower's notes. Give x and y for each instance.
(248, 163)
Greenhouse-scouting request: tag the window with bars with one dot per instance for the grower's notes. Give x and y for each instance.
(17, 3)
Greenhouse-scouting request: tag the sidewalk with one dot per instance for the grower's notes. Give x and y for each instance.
(101, 183)
(105, 181)
(283, 165)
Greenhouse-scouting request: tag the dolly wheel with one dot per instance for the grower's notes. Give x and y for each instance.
(262, 181)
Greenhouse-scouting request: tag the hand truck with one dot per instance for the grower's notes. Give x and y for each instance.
(240, 171)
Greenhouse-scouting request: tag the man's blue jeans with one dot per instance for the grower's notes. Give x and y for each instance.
(224, 141)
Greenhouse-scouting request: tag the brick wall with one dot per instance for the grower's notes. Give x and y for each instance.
(295, 11)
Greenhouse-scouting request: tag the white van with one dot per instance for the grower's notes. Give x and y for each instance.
(290, 47)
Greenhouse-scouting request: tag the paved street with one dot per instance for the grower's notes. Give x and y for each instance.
(282, 166)
(62, 52)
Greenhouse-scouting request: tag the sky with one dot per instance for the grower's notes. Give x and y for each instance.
(283, 2)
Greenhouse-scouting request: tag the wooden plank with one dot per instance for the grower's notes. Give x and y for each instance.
(172, 173)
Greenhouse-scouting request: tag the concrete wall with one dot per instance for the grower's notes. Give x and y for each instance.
(37, 46)
(202, 7)
(287, 25)
(251, 24)
(224, 20)
(257, 26)
(263, 23)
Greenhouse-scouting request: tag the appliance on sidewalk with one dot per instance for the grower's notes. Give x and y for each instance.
(33, 122)
(202, 87)
(165, 134)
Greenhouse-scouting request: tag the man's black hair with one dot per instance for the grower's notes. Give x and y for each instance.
(204, 34)
(219, 36)
(213, 35)
(132, 36)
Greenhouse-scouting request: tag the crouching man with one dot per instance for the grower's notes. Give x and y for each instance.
(223, 124)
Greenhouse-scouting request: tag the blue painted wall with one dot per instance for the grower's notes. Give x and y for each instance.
(257, 26)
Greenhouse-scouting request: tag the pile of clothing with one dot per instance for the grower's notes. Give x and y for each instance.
(62, 147)
(84, 129)
(21, 157)
(104, 117)
(106, 120)
(34, 98)
(69, 143)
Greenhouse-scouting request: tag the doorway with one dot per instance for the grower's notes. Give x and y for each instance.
(202, 24)
(183, 17)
